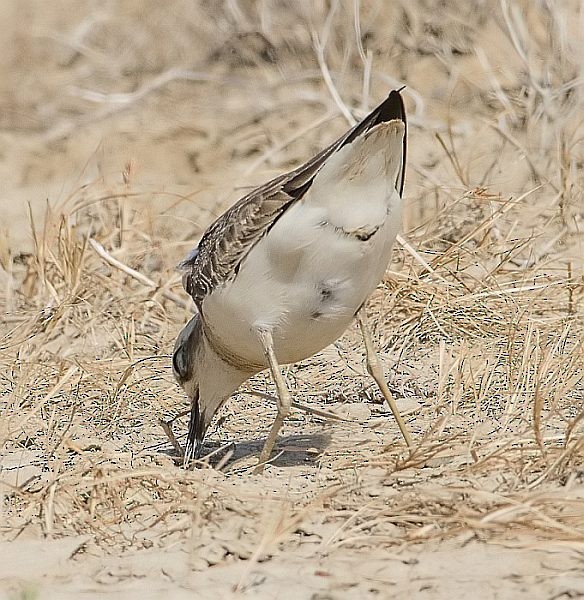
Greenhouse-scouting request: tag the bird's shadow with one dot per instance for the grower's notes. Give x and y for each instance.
(290, 451)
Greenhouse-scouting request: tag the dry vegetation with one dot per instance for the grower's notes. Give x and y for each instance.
(140, 121)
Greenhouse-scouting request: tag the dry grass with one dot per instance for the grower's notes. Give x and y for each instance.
(481, 327)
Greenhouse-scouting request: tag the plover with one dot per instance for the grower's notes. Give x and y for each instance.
(283, 272)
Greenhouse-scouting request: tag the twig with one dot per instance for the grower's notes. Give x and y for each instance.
(114, 262)
(167, 427)
(296, 136)
(535, 174)
(320, 412)
(160, 81)
(326, 75)
(417, 256)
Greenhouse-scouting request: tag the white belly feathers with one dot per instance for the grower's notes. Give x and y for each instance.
(309, 275)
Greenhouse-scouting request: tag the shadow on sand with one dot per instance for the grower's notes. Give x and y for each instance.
(290, 451)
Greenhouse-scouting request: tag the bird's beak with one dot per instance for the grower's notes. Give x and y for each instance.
(196, 431)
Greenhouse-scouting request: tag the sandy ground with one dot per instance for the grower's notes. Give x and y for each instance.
(134, 124)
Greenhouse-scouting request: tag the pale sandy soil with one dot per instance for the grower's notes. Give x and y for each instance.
(135, 123)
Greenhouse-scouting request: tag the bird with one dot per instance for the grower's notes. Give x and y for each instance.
(285, 271)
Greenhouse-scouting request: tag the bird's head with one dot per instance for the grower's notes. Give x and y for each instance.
(186, 364)
(206, 379)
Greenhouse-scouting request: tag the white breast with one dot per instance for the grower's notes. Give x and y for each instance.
(308, 276)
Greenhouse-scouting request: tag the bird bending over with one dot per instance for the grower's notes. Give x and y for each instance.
(283, 272)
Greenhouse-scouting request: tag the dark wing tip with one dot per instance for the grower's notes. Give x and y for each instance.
(391, 108)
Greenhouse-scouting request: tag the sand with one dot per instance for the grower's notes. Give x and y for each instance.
(135, 124)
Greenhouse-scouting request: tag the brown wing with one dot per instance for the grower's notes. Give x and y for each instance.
(226, 243)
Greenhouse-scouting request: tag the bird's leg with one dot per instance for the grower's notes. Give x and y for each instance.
(375, 369)
(284, 398)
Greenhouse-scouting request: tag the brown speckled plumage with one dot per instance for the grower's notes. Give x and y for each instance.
(229, 239)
